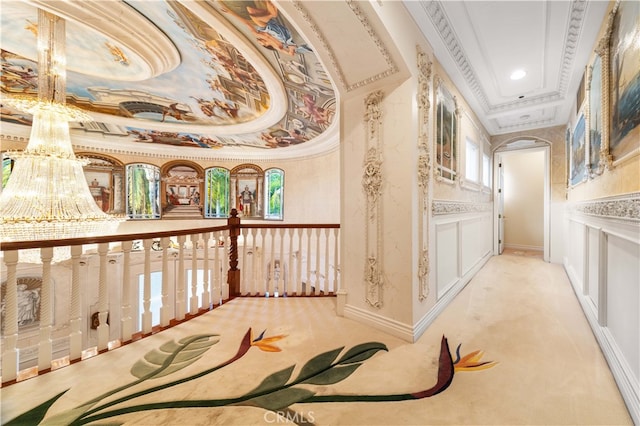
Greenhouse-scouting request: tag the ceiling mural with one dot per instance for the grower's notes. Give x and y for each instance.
(229, 53)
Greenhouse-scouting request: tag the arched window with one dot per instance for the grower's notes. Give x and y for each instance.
(105, 177)
(143, 191)
(274, 190)
(7, 166)
(217, 193)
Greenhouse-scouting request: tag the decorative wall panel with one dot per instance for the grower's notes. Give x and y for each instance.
(424, 170)
(372, 186)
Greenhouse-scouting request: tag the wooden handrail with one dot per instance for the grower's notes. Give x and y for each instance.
(19, 245)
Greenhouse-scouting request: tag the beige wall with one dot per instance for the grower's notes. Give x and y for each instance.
(524, 199)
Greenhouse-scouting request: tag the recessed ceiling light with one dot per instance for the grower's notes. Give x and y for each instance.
(518, 74)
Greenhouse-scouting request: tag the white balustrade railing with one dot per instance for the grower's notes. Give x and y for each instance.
(286, 261)
(62, 303)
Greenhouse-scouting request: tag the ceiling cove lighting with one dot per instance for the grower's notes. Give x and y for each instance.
(47, 195)
(518, 74)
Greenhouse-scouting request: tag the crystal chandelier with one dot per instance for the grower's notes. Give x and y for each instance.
(47, 195)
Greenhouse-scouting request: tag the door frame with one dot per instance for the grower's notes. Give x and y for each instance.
(537, 145)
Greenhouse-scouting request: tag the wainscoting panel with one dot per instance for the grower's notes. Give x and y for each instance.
(623, 297)
(603, 264)
(447, 263)
(463, 242)
(593, 270)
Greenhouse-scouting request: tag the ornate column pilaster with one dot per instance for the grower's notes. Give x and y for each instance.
(423, 170)
(372, 186)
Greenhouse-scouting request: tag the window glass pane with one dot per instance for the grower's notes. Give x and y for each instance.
(472, 161)
(217, 193)
(274, 182)
(486, 170)
(156, 298)
(6, 170)
(143, 191)
(446, 134)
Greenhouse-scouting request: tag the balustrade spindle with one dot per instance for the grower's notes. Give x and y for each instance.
(193, 300)
(280, 276)
(308, 257)
(255, 259)
(10, 341)
(271, 285)
(262, 289)
(290, 261)
(336, 259)
(299, 235)
(165, 309)
(327, 290)
(146, 318)
(215, 275)
(243, 264)
(224, 272)
(317, 285)
(126, 322)
(206, 294)
(46, 311)
(75, 312)
(180, 293)
(103, 298)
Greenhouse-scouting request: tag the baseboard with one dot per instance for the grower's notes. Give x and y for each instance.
(379, 322)
(423, 323)
(620, 369)
(408, 332)
(523, 247)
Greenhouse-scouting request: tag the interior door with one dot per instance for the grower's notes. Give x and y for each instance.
(500, 204)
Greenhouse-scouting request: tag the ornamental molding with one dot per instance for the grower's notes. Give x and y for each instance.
(372, 186)
(372, 181)
(626, 207)
(440, 207)
(440, 20)
(373, 36)
(423, 170)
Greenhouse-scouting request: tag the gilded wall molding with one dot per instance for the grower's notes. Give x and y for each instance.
(423, 170)
(372, 186)
(443, 207)
(625, 207)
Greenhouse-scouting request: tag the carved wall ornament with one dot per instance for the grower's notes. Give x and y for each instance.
(441, 207)
(423, 170)
(372, 185)
(372, 180)
(373, 280)
(625, 207)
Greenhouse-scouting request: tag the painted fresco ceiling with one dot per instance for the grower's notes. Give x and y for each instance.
(212, 74)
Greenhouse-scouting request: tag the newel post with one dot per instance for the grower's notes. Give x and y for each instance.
(234, 273)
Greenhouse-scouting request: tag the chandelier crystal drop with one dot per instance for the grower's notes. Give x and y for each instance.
(47, 195)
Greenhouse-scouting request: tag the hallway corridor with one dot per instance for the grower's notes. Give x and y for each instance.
(539, 365)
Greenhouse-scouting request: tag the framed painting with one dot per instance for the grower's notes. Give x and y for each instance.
(446, 134)
(624, 80)
(578, 153)
(595, 117)
(580, 95)
(567, 145)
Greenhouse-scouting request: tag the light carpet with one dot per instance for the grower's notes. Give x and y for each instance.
(539, 365)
